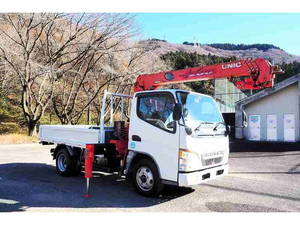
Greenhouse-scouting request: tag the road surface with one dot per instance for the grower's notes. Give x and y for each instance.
(257, 182)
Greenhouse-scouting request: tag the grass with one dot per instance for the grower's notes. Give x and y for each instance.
(16, 139)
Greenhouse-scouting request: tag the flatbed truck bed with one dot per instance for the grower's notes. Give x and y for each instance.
(73, 135)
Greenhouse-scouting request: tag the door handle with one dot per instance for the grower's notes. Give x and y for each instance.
(136, 138)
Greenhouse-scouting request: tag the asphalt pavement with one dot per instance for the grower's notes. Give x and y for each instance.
(257, 182)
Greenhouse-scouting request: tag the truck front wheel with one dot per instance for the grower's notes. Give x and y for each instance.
(145, 178)
(66, 165)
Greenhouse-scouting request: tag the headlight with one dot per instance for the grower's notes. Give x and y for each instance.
(188, 160)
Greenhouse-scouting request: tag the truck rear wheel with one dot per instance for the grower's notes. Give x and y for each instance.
(145, 178)
(66, 165)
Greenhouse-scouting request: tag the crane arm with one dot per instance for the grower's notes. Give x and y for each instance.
(245, 74)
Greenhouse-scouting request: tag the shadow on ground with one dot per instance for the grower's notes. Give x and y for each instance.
(24, 185)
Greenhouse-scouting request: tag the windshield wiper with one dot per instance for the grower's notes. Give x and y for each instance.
(217, 125)
(198, 127)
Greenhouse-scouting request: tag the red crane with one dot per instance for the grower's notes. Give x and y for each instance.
(245, 74)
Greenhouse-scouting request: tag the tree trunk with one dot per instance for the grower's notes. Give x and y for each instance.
(88, 116)
(32, 128)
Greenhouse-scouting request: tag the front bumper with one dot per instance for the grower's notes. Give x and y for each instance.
(198, 177)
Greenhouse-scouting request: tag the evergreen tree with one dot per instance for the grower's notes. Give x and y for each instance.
(231, 47)
(290, 69)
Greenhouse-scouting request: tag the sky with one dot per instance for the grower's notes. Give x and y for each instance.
(280, 29)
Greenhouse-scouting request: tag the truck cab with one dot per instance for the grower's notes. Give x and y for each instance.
(183, 136)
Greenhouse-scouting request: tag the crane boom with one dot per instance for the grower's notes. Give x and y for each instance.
(245, 74)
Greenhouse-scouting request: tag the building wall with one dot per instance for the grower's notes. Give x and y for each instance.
(279, 103)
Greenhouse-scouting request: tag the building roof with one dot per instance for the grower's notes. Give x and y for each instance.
(269, 91)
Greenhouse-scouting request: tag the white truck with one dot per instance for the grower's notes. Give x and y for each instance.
(164, 145)
(174, 137)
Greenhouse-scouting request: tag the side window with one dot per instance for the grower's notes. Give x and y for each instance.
(157, 109)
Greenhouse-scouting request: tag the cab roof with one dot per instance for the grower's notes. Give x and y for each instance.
(173, 91)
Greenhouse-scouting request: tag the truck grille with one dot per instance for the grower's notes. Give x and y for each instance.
(212, 161)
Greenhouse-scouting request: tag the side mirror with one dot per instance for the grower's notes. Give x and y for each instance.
(228, 130)
(177, 113)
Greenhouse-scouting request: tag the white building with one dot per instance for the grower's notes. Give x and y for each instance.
(273, 114)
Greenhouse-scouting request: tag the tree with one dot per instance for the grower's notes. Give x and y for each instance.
(82, 60)
(52, 57)
(20, 35)
(290, 69)
(126, 66)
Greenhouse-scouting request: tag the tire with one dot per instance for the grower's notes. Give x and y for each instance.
(66, 165)
(145, 178)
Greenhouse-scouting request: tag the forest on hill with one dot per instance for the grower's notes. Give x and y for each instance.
(232, 47)
(182, 60)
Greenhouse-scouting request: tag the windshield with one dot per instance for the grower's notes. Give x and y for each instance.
(199, 109)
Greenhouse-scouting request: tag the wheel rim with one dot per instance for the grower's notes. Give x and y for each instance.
(62, 162)
(144, 178)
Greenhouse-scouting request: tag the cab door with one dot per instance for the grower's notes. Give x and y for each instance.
(154, 132)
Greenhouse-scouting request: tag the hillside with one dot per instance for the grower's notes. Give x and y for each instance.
(276, 54)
